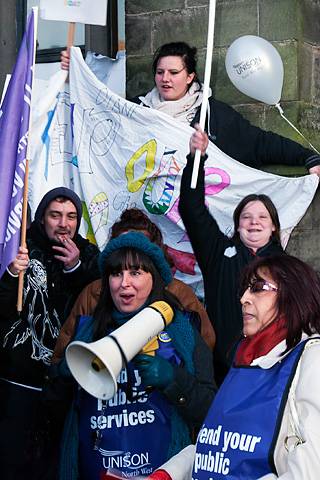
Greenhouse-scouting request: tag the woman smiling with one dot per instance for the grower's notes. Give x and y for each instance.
(220, 258)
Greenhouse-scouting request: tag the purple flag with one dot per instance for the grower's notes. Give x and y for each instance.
(14, 125)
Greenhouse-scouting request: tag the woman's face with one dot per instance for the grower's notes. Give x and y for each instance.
(130, 289)
(255, 225)
(259, 303)
(171, 78)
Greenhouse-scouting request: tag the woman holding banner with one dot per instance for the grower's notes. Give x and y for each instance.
(178, 93)
(264, 421)
(147, 423)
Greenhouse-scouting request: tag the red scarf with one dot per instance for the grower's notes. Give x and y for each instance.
(261, 343)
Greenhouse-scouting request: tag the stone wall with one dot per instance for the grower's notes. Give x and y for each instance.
(293, 27)
(8, 34)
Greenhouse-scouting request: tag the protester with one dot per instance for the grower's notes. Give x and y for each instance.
(264, 421)
(57, 263)
(178, 93)
(133, 219)
(134, 274)
(220, 258)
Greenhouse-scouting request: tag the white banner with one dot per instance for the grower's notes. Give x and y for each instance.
(90, 12)
(116, 155)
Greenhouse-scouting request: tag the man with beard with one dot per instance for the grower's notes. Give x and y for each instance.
(58, 263)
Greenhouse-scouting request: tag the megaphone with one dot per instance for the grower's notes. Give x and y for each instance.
(96, 365)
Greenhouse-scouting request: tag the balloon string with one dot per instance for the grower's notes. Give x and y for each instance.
(278, 106)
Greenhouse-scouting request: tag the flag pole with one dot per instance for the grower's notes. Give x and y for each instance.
(23, 234)
(206, 83)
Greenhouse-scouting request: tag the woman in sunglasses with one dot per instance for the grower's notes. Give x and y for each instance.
(264, 422)
(220, 258)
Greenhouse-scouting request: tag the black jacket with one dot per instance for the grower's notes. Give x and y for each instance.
(221, 260)
(49, 293)
(250, 145)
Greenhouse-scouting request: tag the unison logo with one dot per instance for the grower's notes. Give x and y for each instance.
(118, 459)
(250, 64)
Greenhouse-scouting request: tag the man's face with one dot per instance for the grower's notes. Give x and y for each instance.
(60, 220)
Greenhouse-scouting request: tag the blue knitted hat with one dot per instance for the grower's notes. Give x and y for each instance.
(140, 242)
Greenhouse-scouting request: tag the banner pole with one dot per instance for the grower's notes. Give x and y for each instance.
(23, 233)
(206, 83)
(71, 32)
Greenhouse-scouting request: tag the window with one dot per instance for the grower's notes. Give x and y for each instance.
(52, 35)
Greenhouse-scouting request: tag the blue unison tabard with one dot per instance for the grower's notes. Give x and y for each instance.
(237, 439)
(134, 435)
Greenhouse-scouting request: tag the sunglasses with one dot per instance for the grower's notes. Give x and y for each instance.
(256, 286)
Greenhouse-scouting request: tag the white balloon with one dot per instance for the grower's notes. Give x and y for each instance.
(255, 68)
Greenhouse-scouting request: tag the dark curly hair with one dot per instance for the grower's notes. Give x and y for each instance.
(136, 220)
(298, 296)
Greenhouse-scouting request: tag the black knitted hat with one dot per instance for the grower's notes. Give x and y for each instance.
(52, 195)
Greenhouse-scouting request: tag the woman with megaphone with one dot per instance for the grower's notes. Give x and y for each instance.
(134, 219)
(161, 396)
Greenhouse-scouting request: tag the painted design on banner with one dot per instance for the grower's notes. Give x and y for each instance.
(99, 206)
(57, 134)
(89, 232)
(165, 194)
(185, 262)
(97, 132)
(122, 201)
(148, 150)
(210, 190)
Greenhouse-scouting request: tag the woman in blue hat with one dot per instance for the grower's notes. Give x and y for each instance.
(137, 430)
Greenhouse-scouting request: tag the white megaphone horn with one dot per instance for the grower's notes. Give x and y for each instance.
(97, 365)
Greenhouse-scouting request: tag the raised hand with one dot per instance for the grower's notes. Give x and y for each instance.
(199, 140)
